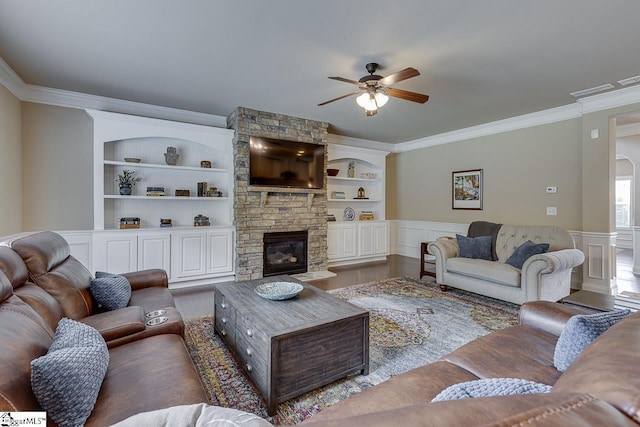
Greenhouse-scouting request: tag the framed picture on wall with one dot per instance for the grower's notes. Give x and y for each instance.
(467, 189)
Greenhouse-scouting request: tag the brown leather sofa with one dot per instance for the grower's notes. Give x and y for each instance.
(149, 366)
(600, 388)
(44, 260)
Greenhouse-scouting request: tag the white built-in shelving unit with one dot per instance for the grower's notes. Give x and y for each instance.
(357, 241)
(191, 255)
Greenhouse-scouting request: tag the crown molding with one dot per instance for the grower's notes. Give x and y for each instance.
(361, 143)
(65, 98)
(543, 117)
(616, 98)
(11, 80)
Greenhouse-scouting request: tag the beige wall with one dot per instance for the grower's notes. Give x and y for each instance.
(10, 164)
(57, 168)
(517, 166)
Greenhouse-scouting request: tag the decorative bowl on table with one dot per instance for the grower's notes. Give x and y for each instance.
(278, 290)
(333, 172)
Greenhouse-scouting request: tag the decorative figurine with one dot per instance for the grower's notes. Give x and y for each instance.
(351, 170)
(171, 156)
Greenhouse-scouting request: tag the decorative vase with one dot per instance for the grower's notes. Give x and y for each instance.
(171, 156)
(125, 189)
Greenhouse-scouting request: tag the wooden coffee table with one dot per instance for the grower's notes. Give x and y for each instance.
(290, 347)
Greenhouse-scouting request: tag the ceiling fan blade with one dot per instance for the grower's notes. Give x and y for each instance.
(338, 98)
(342, 79)
(409, 96)
(405, 74)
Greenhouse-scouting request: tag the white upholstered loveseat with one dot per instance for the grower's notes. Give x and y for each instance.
(542, 277)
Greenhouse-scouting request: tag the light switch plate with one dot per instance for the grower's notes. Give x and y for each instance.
(552, 210)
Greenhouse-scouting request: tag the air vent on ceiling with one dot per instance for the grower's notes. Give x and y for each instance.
(592, 90)
(629, 81)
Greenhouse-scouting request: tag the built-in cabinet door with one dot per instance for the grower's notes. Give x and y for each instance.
(381, 239)
(349, 242)
(154, 252)
(341, 241)
(219, 252)
(188, 255)
(367, 237)
(115, 252)
(333, 242)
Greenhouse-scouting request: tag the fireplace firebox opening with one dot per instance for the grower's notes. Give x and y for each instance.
(285, 253)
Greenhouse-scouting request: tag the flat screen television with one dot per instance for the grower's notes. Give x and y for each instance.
(282, 163)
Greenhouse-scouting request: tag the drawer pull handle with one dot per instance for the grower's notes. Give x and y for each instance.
(223, 305)
(224, 320)
(249, 368)
(249, 352)
(249, 332)
(223, 333)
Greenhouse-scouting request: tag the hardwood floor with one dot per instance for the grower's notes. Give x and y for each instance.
(198, 300)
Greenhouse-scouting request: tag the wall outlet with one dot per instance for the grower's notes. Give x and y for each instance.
(552, 210)
(552, 190)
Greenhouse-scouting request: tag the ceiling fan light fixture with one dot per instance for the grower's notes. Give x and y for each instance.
(367, 101)
(381, 99)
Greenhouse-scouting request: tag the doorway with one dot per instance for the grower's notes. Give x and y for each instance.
(626, 201)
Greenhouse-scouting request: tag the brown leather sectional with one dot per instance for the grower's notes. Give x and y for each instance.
(600, 388)
(149, 366)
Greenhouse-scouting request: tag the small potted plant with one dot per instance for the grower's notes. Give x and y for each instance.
(126, 180)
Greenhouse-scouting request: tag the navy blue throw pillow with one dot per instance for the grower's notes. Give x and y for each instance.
(475, 247)
(525, 251)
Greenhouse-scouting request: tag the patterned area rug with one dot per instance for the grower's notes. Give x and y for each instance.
(412, 323)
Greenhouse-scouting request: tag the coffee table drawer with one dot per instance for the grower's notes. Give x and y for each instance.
(225, 318)
(253, 335)
(252, 363)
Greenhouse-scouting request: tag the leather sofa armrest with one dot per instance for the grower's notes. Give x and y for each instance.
(147, 279)
(543, 410)
(117, 323)
(548, 316)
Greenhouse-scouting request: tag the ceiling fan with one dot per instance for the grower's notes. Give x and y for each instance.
(374, 90)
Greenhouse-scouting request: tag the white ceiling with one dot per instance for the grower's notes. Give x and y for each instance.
(481, 61)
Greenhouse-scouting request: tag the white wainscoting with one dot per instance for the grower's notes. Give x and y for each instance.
(596, 274)
(624, 239)
(406, 236)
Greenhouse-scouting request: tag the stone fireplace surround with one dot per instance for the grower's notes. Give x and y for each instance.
(259, 210)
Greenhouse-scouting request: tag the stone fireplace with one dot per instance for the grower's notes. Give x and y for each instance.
(262, 210)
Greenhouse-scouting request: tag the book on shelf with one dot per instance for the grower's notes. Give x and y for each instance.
(155, 191)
